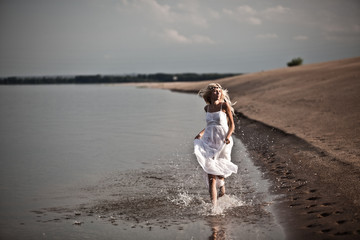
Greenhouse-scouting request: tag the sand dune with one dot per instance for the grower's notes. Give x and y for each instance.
(319, 103)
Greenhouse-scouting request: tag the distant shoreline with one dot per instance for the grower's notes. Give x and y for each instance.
(112, 79)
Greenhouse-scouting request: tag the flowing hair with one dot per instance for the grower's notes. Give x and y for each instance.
(205, 93)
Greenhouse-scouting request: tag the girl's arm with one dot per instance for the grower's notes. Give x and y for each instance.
(202, 131)
(231, 123)
(200, 134)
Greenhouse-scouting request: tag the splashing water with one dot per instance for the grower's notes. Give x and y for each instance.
(182, 199)
(226, 202)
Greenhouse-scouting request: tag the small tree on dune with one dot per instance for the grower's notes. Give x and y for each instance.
(295, 62)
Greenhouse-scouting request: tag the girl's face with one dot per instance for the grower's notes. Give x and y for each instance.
(216, 94)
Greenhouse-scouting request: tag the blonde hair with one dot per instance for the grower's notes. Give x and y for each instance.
(205, 93)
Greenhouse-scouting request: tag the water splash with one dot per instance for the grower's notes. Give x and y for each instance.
(226, 202)
(182, 199)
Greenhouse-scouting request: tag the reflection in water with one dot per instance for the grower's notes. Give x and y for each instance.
(218, 227)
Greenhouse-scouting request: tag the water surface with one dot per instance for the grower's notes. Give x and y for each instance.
(118, 161)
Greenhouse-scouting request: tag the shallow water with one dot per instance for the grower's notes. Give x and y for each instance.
(97, 161)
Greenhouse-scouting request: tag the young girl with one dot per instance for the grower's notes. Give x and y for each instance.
(212, 146)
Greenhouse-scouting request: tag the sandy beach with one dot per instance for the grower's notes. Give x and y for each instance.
(301, 127)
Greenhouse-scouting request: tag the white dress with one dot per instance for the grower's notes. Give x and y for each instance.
(212, 153)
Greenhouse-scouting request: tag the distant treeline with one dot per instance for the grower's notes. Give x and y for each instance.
(89, 79)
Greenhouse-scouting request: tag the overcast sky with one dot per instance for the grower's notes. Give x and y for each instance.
(67, 37)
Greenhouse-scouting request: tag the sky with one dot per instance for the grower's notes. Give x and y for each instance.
(70, 37)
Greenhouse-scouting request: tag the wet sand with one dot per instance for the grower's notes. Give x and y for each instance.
(301, 126)
(313, 207)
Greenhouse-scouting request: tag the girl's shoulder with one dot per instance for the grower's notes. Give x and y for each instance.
(206, 107)
(224, 105)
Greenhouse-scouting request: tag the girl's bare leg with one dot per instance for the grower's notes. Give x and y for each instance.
(212, 188)
(222, 188)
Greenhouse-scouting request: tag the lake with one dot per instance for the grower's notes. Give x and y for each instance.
(116, 162)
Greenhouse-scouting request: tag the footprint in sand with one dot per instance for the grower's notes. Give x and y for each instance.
(310, 191)
(313, 198)
(341, 222)
(313, 225)
(326, 204)
(325, 214)
(342, 233)
(311, 206)
(312, 212)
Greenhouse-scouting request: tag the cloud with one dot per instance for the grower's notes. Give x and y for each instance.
(252, 16)
(254, 21)
(174, 36)
(267, 36)
(243, 14)
(337, 28)
(342, 32)
(214, 14)
(161, 12)
(168, 14)
(125, 2)
(202, 39)
(246, 10)
(278, 9)
(301, 37)
(195, 20)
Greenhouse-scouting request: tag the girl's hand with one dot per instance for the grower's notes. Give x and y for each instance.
(227, 141)
(200, 134)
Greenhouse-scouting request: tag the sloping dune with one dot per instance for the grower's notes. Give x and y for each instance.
(319, 103)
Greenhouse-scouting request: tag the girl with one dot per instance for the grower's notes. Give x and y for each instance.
(212, 146)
